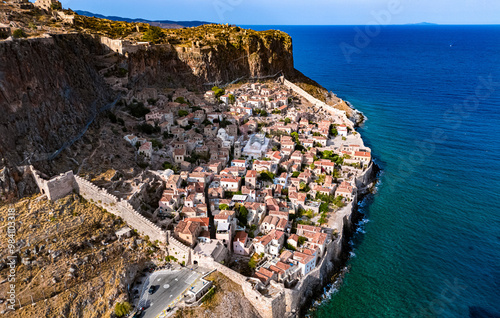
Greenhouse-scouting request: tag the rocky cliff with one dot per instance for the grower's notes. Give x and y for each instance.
(49, 88)
(223, 60)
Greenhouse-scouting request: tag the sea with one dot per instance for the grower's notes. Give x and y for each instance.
(429, 241)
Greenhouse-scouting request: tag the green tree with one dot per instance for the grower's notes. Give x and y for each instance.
(266, 176)
(290, 247)
(147, 128)
(156, 143)
(295, 174)
(309, 213)
(154, 35)
(122, 309)
(324, 207)
(137, 109)
(218, 91)
(167, 165)
(243, 215)
(232, 99)
(302, 240)
(287, 121)
(323, 220)
(223, 206)
(181, 100)
(333, 131)
(182, 113)
(252, 263)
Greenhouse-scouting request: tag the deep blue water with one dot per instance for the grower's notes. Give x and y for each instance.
(431, 94)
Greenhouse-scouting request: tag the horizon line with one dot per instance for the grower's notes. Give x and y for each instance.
(424, 23)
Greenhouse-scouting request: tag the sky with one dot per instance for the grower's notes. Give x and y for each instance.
(311, 12)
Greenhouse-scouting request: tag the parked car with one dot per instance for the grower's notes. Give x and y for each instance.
(153, 289)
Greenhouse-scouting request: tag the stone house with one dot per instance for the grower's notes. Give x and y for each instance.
(146, 149)
(179, 155)
(187, 232)
(231, 184)
(241, 244)
(346, 190)
(251, 179)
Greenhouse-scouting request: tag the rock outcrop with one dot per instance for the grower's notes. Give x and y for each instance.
(49, 88)
(192, 66)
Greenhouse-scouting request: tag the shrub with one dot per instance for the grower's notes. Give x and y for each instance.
(154, 35)
(19, 33)
(122, 309)
(208, 296)
(56, 6)
(181, 100)
(322, 220)
(156, 143)
(137, 109)
(302, 240)
(147, 128)
(182, 113)
(218, 91)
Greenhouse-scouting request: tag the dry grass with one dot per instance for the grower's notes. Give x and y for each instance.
(228, 301)
(82, 235)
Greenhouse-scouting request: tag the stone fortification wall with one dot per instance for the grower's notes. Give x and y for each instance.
(332, 110)
(55, 188)
(62, 185)
(178, 250)
(364, 179)
(120, 208)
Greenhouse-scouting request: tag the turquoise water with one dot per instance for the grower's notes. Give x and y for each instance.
(430, 246)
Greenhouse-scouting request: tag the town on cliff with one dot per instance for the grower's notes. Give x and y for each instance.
(256, 179)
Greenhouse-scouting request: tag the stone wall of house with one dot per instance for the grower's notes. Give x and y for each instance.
(120, 46)
(364, 179)
(112, 44)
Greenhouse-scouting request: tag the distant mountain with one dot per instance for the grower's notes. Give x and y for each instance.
(167, 24)
(422, 23)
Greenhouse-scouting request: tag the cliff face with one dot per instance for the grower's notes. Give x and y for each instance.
(49, 88)
(192, 66)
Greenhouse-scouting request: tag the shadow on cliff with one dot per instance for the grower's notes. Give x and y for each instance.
(200, 67)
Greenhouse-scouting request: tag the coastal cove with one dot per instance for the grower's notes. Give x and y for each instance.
(431, 229)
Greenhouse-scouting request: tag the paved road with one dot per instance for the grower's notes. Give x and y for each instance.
(173, 284)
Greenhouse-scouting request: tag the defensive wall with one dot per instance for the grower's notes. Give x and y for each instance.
(64, 184)
(332, 110)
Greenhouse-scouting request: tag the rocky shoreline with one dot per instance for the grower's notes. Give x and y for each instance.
(344, 255)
